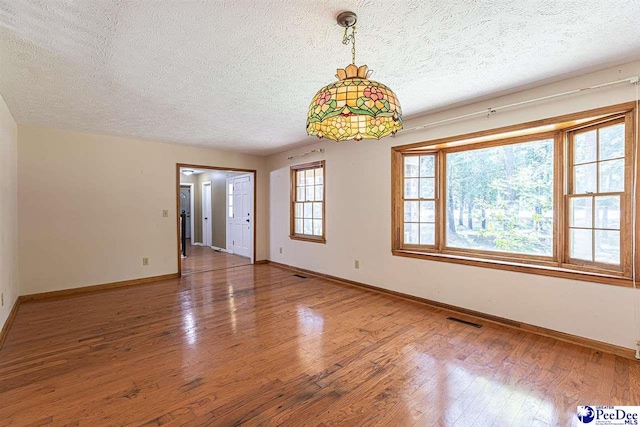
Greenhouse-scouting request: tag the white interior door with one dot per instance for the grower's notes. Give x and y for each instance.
(185, 206)
(206, 214)
(240, 223)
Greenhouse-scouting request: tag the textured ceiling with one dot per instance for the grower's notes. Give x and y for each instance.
(239, 75)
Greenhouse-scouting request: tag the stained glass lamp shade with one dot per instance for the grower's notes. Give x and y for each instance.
(354, 107)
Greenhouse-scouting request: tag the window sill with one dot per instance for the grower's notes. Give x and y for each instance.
(564, 273)
(307, 238)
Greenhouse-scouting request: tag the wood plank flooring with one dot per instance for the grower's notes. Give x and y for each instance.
(201, 258)
(255, 345)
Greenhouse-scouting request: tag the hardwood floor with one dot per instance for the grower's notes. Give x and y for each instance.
(201, 258)
(256, 345)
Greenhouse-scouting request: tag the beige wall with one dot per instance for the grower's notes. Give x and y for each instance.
(358, 222)
(91, 206)
(8, 211)
(219, 209)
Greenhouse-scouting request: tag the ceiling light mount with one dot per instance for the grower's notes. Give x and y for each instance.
(347, 19)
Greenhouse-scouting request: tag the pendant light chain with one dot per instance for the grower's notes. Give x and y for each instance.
(350, 38)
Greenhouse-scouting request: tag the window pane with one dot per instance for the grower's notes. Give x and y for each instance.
(319, 176)
(612, 142)
(317, 210)
(501, 198)
(230, 211)
(300, 179)
(608, 212)
(318, 192)
(299, 210)
(309, 193)
(411, 188)
(308, 210)
(580, 244)
(427, 211)
(427, 166)
(298, 226)
(300, 196)
(317, 227)
(309, 177)
(411, 233)
(427, 188)
(584, 147)
(584, 180)
(308, 226)
(411, 168)
(607, 247)
(612, 176)
(411, 212)
(580, 213)
(427, 234)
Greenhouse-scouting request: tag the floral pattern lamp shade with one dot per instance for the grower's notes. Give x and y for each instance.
(354, 107)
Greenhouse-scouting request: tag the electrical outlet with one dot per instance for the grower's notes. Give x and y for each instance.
(145, 261)
(165, 213)
(280, 249)
(356, 264)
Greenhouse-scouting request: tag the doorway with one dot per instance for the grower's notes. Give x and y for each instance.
(217, 206)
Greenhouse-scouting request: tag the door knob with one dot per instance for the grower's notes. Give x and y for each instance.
(206, 217)
(247, 220)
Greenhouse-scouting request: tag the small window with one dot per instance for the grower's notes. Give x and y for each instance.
(307, 202)
(419, 200)
(597, 192)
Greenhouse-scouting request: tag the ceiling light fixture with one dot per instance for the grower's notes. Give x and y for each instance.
(187, 172)
(354, 107)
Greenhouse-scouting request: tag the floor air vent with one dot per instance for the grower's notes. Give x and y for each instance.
(455, 319)
(300, 276)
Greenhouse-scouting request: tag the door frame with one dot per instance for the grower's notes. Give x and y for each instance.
(220, 168)
(191, 186)
(253, 222)
(206, 214)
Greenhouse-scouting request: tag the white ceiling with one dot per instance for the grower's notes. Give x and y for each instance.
(239, 74)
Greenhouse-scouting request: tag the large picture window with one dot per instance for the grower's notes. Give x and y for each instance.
(307, 202)
(501, 198)
(553, 199)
